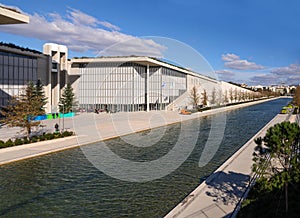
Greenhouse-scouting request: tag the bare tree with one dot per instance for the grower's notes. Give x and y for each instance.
(204, 98)
(236, 95)
(220, 97)
(226, 100)
(195, 97)
(213, 96)
(240, 96)
(231, 96)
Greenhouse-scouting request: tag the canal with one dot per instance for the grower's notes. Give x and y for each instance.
(66, 184)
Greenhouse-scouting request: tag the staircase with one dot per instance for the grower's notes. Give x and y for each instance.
(178, 101)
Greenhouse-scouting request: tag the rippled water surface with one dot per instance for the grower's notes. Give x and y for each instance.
(66, 184)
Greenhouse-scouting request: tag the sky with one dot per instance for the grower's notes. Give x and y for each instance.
(245, 41)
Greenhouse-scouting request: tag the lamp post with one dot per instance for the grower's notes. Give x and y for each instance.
(63, 115)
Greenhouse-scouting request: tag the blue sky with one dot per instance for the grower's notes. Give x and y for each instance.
(250, 41)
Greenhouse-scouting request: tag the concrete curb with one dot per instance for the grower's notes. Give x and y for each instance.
(37, 145)
(177, 210)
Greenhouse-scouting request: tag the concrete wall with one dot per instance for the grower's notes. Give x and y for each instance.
(58, 76)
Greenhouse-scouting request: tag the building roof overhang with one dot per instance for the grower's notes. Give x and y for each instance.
(12, 16)
(143, 60)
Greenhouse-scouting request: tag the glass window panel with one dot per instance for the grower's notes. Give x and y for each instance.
(30, 74)
(21, 73)
(25, 62)
(1, 72)
(5, 72)
(34, 64)
(26, 72)
(5, 58)
(11, 60)
(34, 74)
(16, 73)
(29, 62)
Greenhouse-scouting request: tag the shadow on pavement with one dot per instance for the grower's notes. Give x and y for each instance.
(227, 188)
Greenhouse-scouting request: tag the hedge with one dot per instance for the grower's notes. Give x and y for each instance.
(44, 137)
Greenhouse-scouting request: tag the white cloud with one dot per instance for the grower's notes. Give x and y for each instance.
(292, 69)
(82, 32)
(225, 75)
(265, 79)
(233, 61)
(81, 18)
(289, 75)
(230, 57)
(109, 25)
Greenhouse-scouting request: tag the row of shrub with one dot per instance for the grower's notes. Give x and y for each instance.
(224, 105)
(44, 137)
(288, 109)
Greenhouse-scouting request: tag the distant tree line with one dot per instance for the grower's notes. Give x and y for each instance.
(217, 97)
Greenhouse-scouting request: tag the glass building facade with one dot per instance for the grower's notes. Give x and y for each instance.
(127, 86)
(16, 71)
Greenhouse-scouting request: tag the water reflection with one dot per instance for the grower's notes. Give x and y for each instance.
(65, 184)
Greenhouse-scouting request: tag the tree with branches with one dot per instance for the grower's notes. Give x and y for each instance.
(236, 95)
(204, 98)
(220, 99)
(195, 97)
(40, 93)
(226, 100)
(213, 96)
(231, 96)
(67, 100)
(22, 109)
(281, 166)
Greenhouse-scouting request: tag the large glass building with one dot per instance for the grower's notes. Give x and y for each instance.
(131, 83)
(19, 66)
(108, 83)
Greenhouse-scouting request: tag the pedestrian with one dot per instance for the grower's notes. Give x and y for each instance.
(56, 127)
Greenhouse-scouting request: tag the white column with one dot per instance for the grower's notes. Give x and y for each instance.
(147, 90)
(58, 86)
(48, 87)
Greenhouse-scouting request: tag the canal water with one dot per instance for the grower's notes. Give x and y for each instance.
(66, 184)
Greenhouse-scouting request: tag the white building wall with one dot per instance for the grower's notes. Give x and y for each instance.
(229, 88)
(122, 85)
(58, 78)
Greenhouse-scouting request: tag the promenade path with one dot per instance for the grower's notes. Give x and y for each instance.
(91, 127)
(219, 194)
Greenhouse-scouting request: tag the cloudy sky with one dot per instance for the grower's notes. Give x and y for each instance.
(248, 41)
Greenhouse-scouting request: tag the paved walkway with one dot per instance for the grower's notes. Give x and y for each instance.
(91, 127)
(221, 191)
